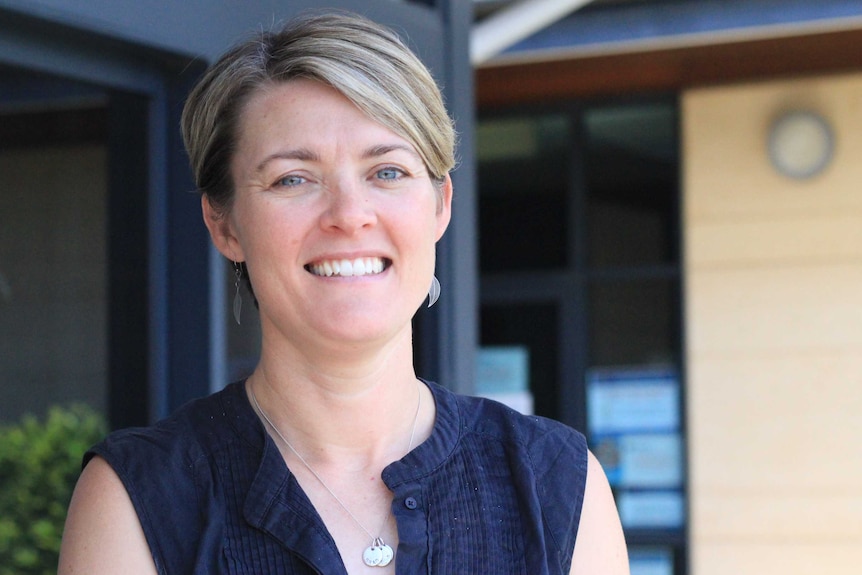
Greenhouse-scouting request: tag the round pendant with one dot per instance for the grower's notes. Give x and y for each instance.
(388, 554)
(373, 555)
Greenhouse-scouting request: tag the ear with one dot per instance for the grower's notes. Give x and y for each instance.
(444, 210)
(221, 231)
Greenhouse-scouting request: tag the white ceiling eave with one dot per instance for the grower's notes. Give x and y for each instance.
(513, 23)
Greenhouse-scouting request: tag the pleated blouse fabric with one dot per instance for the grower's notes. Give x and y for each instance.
(491, 492)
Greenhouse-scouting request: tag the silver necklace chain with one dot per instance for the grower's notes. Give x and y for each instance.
(378, 554)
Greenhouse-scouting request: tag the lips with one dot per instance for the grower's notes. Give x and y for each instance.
(348, 268)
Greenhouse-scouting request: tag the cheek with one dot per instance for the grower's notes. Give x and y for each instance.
(423, 239)
(263, 228)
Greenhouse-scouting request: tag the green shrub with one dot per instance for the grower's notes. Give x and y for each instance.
(39, 464)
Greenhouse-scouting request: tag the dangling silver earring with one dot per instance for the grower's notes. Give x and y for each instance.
(237, 298)
(434, 291)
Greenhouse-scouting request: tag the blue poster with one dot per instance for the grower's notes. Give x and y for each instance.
(633, 420)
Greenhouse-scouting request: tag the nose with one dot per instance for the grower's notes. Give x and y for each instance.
(349, 210)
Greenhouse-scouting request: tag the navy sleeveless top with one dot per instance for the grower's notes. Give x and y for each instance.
(490, 492)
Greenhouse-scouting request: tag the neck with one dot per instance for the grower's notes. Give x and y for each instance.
(357, 413)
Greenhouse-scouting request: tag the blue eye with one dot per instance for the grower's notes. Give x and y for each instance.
(389, 173)
(290, 181)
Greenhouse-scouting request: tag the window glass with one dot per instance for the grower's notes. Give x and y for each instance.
(523, 182)
(631, 179)
(54, 347)
(53, 282)
(633, 322)
(528, 330)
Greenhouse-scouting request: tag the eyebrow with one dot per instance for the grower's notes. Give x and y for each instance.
(302, 154)
(383, 149)
(306, 155)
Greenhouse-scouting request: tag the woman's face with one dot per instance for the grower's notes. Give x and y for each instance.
(335, 216)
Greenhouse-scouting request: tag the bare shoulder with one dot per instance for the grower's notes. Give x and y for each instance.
(102, 533)
(600, 548)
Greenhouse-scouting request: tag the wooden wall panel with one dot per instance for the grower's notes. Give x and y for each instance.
(777, 424)
(816, 239)
(821, 558)
(765, 517)
(774, 309)
(773, 289)
(735, 180)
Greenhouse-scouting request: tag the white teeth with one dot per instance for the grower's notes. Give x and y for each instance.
(348, 268)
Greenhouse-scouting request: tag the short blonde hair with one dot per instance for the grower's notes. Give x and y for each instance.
(364, 61)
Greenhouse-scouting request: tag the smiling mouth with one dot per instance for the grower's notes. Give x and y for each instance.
(348, 268)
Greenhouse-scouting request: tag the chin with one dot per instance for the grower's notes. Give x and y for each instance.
(365, 326)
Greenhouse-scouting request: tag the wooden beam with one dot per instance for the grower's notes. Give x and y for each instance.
(668, 70)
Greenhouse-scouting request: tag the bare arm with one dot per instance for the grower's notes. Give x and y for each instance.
(103, 534)
(600, 548)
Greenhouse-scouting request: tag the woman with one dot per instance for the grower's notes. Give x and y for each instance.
(323, 152)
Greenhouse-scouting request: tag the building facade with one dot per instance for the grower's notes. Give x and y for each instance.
(639, 247)
(767, 101)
